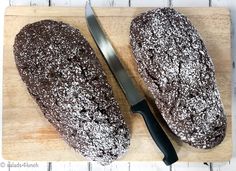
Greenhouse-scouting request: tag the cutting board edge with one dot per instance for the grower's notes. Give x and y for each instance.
(100, 11)
(148, 160)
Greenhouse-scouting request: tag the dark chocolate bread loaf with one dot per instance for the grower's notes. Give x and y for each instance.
(64, 76)
(174, 63)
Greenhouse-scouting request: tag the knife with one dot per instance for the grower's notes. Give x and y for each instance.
(136, 100)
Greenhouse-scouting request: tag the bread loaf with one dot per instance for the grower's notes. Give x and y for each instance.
(178, 71)
(65, 78)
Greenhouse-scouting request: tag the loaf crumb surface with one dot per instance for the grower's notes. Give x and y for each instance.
(178, 71)
(65, 78)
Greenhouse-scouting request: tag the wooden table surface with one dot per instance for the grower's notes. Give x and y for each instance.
(125, 166)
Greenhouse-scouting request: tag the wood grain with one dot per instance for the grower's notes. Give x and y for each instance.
(150, 3)
(96, 3)
(72, 166)
(221, 3)
(109, 3)
(28, 136)
(65, 3)
(189, 3)
(29, 2)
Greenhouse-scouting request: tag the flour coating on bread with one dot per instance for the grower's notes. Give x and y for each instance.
(65, 78)
(177, 69)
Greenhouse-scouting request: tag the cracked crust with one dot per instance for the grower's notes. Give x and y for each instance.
(173, 62)
(65, 78)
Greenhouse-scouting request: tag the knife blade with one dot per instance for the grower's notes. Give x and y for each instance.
(135, 99)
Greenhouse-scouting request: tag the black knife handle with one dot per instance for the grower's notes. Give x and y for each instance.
(156, 132)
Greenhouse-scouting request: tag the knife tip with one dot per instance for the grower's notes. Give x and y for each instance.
(88, 8)
(88, 4)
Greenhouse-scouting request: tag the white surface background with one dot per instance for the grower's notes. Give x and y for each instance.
(123, 166)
